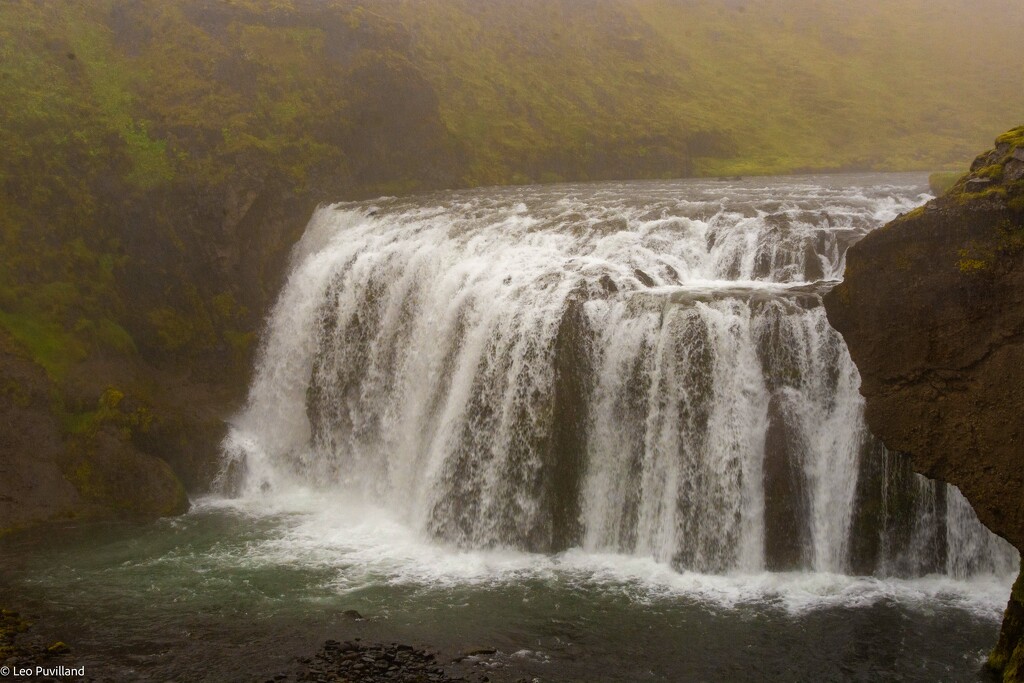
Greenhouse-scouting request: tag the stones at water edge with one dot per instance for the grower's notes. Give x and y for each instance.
(19, 648)
(354, 660)
(932, 310)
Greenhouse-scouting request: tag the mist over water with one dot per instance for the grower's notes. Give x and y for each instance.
(637, 370)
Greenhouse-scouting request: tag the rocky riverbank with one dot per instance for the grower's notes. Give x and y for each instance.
(932, 309)
(22, 650)
(354, 660)
(25, 648)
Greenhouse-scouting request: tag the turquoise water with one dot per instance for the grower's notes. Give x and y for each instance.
(233, 593)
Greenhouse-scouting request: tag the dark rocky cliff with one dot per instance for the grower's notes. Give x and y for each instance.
(932, 309)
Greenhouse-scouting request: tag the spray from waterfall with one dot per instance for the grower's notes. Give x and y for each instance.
(642, 369)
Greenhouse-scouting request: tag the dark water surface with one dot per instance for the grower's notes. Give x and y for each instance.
(212, 596)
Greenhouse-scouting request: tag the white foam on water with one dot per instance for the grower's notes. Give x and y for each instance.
(366, 547)
(451, 381)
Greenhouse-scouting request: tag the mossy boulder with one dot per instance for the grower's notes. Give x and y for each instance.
(61, 461)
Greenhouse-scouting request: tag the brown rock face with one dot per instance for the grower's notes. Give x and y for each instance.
(50, 470)
(32, 486)
(932, 309)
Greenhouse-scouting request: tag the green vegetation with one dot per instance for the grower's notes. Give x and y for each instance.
(994, 186)
(1007, 659)
(942, 182)
(109, 412)
(997, 174)
(706, 87)
(11, 626)
(1014, 138)
(160, 157)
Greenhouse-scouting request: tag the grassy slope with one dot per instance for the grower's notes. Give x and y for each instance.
(793, 84)
(137, 135)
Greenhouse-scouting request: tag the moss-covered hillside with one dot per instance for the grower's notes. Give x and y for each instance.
(161, 156)
(546, 90)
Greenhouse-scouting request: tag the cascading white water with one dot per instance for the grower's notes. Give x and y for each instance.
(639, 368)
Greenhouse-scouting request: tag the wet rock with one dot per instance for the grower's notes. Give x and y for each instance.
(474, 654)
(645, 279)
(888, 514)
(932, 309)
(20, 647)
(353, 614)
(608, 284)
(1013, 170)
(567, 446)
(812, 264)
(786, 498)
(371, 663)
(1008, 656)
(978, 184)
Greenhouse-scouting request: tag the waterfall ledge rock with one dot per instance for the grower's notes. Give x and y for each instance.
(932, 309)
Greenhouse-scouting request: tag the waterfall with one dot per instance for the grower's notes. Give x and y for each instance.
(636, 368)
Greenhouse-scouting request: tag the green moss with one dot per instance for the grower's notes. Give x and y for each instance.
(108, 334)
(241, 344)
(1005, 242)
(109, 412)
(174, 329)
(48, 344)
(998, 192)
(1013, 137)
(109, 78)
(942, 182)
(226, 307)
(1007, 658)
(11, 626)
(968, 265)
(1009, 238)
(992, 172)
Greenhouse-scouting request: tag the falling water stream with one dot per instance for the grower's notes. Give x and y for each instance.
(633, 369)
(605, 427)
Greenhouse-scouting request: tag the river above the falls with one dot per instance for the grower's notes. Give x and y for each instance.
(604, 429)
